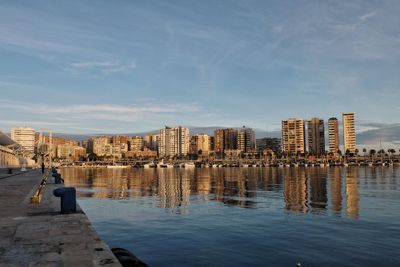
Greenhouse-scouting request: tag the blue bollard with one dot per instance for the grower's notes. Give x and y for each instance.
(68, 198)
(57, 178)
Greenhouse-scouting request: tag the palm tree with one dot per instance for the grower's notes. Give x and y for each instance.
(381, 151)
(372, 153)
(92, 157)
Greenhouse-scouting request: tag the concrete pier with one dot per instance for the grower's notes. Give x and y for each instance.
(38, 235)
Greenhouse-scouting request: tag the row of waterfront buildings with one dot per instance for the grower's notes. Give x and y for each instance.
(294, 135)
(177, 142)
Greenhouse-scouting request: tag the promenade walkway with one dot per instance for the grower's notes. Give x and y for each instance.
(38, 235)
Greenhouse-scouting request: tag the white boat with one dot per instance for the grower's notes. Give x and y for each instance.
(165, 165)
(188, 165)
(117, 166)
(149, 165)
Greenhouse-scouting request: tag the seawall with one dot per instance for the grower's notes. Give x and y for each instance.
(38, 235)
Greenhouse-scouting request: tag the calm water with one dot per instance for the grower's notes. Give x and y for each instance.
(330, 216)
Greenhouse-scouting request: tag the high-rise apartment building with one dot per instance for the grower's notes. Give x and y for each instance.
(204, 143)
(273, 144)
(316, 136)
(99, 145)
(333, 132)
(120, 141)
(349, 132)
(151, 141)
(219, 140)
(293, 136)
(25, 137)
(136, 143)
(230, 139)
(173, 141)
(164, 147)
(65, 151)
(225, 139)
(193, 148)
(246, 140)
(211, 143)
(200, 143)
(70, 151)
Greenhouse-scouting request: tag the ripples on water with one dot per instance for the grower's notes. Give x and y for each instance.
(330, 216)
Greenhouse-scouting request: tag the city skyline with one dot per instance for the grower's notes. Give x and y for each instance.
(97, 67)
(369, 139)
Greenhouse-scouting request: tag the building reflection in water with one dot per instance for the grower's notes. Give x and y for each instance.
(352, 196)
(318, 191)
(335, 177)
(174, 189)
(295, 189)
(235, 186)
(302, 189)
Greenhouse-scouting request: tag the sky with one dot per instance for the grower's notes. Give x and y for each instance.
(135, 66)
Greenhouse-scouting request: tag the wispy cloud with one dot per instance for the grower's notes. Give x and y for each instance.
(367, 16)
(249, 54)
(30, 122)
(112, 112)
(106, 67)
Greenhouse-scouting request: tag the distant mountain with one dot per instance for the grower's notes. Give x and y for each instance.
(385, 134)
(72, 136)
(210, 131)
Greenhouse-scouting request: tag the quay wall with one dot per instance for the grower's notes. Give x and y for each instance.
(37, 234)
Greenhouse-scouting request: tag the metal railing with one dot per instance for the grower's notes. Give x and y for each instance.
(37, 196)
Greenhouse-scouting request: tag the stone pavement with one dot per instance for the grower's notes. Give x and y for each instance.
(38, 235)
(4, 172)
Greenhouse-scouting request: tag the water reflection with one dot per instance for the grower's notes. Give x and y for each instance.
(335, 176)
(352, 196)
(173, 189)
(315, 190)
(295, 190)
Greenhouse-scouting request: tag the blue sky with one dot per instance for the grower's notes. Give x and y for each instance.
(133, 66)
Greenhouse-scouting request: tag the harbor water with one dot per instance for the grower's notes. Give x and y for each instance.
(316, 216)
